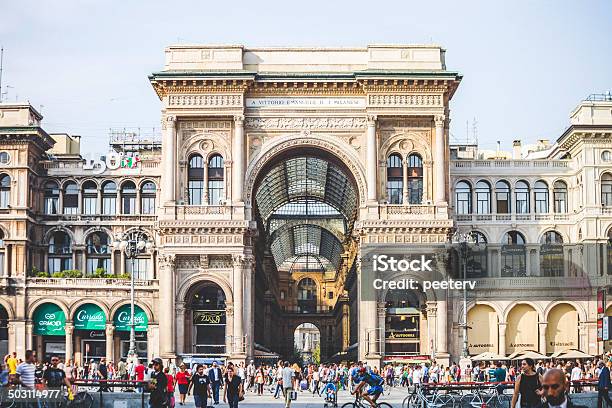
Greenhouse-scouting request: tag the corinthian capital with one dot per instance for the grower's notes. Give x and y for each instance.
(239, 119)
(166, 261)
(439, 120)
(238, 260)
(372, 120)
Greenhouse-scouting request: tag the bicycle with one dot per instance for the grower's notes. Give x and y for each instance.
(419, 399)
(479, 399)
(358, 403)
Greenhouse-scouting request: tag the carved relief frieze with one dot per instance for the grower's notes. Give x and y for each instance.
(405, 100)
(210, 101)
(200, 125)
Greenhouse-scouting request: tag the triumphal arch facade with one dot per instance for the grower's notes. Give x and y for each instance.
(278, 165)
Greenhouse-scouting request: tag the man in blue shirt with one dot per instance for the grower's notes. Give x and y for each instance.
(374, 383)
(603, 385)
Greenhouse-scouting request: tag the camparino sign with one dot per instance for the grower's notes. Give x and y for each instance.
(89, 317)
(49, 320)
(122, 319)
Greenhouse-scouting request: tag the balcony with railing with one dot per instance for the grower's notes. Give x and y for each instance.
(408, 211)
(76, 283)
(533, 218)
(509, 167)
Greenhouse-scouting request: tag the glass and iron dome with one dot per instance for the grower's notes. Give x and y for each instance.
(306, 205)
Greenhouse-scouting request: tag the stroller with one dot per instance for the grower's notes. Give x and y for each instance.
(330, 395)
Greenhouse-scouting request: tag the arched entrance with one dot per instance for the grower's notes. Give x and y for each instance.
(89, 321)
(482, 330)
(522, 329)
(206, 320)
(307, 343)
(405, 325)
(49, 329)
(121, 336)
(562, 328)
(305, 202)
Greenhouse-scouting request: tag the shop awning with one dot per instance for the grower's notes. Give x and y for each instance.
(89, 317)
(49, 320)
(572, 354)
(519, 355)
(488, 356)
(122, 319)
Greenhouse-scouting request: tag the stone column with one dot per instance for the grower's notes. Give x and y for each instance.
(441, 327)
(237, 280)
(249, 306)
(439, 160)
(542, 332)
(371, 158)
(110, 345)
(229, 328)
(381, 312)
(169, 160)
(180, 327)
(502, 338)
(405, 181)
(166, 306)
(69, 328)
(238, 159)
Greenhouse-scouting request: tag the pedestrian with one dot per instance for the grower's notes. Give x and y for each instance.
(103, 375)
(250, 374)
(215, 376)
(201, 387)
(527, 386)
(233, 391)
(25, 372)
(182, 380)
(171, 383)
(279, 380)
(158, 385)
(554, 385)
(603, 385)
(55, 377)
(139, 375)
(259, 380)
(288, 379)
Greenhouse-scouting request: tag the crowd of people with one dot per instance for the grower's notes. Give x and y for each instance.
(230, 382)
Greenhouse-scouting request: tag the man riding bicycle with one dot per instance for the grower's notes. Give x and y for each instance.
(374, 383)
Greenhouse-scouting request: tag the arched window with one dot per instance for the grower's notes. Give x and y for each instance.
(502, 197)
(147, 198)
(513, 254)
(540, 191)
(90, 198)
(196, 180)
(141, 266)
(606, 190)
(551, 254)
(71, 198)
(128, 198)
(483, 197)
(52, 193)
(463, 196)
(560, 197)
(109, 198)
(477, 256)
(609, 251)
(60, 252)
(307, 296)
(5, 191)
(521, 190)
(415, 179)
(98, 253)
(395, 179)
(215, 180)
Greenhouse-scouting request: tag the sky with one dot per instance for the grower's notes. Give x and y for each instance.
(525, 64)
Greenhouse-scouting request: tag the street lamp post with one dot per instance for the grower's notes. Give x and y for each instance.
(463, 240)
(134, 245)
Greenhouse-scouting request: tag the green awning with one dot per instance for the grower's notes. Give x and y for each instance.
(89, 317)
(122, 319)
(49, 320)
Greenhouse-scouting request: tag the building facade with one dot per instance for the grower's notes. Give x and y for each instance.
(276, 167)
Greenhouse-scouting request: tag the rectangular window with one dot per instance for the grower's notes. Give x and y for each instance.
(560, 203)
(395, 191)
(215, 192)
(463, 203)
(541, 202)
(4, 198)
(59, 264)
(90, 205)
(129, 205)
(148, 205)
(503, 201)
(522, 203)
(98, 263)
(415, 191)
(51, 205)
(483, 201)
(109, 205)
(142, 268)
(196, 191)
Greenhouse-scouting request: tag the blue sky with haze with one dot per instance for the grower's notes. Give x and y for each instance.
(526, 64)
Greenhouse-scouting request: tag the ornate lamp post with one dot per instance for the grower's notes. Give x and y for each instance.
(135, 244)
(462, 240)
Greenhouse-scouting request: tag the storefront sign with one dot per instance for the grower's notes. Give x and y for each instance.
(601, 302)
(606, 328)
(407, 358)
(401, 335)
(208, 317)
(55, 348)
(49, 320)
(599, 329)
(90, 317)
(122, 319)
(111, 161)
(306, 102)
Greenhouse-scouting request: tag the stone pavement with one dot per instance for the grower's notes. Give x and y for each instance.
(305, 400)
